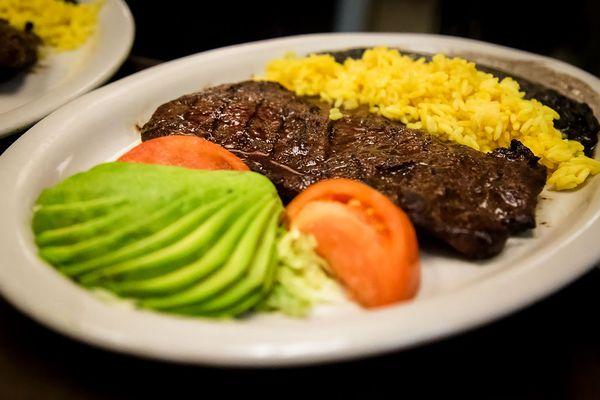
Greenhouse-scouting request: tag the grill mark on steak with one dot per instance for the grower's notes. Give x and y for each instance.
(279, 113)
(251, 118)
(216, 115)
(330, 137)
(279, 131)
(471, 200)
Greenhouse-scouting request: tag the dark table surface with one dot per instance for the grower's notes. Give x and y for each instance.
(549, 350)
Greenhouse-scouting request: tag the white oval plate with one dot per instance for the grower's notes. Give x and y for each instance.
(61, 77)
(456, 295)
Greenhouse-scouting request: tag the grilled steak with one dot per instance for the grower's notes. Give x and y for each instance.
(18, 50)
(470, 200)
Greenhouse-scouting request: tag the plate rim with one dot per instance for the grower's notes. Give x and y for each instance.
(350, 349)
(61, 96)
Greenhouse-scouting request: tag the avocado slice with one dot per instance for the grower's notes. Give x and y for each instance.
(150, 185)
(141, 191)
(80, 231)
(214, 258)
(173, 239)
(56, 216)
(173, 256)
(241, 307)
(158, 230)
(236, 266)
(252, 285)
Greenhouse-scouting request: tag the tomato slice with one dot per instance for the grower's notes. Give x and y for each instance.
(184, 151)
(369, 243)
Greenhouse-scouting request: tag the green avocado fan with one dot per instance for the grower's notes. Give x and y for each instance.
(172, 239)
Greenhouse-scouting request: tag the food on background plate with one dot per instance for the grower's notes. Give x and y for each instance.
(18, 50)
(25, 26)
(62, 25)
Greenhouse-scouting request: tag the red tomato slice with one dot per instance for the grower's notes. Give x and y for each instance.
(184, 151)
(369, 243)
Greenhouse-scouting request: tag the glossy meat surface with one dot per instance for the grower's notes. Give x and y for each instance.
(470, 200)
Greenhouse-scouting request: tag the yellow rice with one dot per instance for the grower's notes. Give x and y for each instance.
(447, 97)
(59, 24)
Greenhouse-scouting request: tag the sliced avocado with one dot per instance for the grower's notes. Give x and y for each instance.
(170, 238)
(148, 186)
(214, 258)
(55, 216)
(159, 230)
(84, 230)
(237, 309)
(141, 223)
(254, 280)
(235, 267)
(152, 184)
(176, 255)
(241, 305)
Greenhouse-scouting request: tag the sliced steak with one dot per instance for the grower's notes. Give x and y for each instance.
(470, 200)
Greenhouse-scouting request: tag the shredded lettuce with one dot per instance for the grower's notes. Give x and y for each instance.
(301, 279)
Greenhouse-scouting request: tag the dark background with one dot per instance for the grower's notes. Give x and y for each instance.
(550, 350)
(568, 30)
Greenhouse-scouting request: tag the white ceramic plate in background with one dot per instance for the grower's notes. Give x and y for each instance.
(61, 77)
(456, 294)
